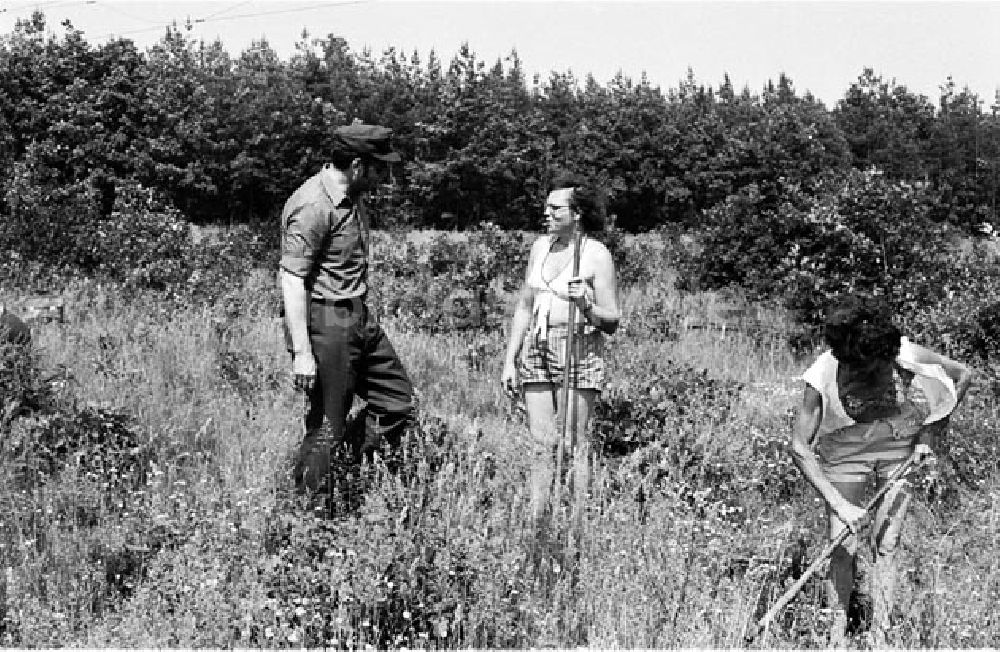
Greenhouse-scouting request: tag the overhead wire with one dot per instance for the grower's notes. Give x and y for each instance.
(26, 5)
(228, 9)
(215, 18)
(48, 4)
(282, 11)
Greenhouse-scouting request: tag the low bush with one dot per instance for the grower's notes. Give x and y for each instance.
(144, 244)
(22, 388)
(856, 232)
(663, 405)
(97, 444)
(49, 221)
(77, 524)
(449, 282)
(964, 320)
(640, 259)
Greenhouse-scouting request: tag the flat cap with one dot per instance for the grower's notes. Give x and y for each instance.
(365, 140)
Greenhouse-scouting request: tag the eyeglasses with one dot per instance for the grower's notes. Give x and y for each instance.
(555, 207)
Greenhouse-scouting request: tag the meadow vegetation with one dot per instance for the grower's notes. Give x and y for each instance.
(145, 442)
(147, 496)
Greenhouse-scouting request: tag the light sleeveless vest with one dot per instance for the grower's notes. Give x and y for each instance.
(936, 386)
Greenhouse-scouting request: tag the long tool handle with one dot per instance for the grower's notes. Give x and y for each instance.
(794, 589)
(569, 370)
(571, 362)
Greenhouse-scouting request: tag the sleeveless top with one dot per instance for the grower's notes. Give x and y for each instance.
(549, 290)
(927, 397)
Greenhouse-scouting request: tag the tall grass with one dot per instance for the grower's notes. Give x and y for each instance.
(680, 544)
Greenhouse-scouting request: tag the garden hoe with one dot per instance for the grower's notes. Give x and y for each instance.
(762, 624)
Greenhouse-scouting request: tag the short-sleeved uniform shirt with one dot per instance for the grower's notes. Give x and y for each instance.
(324, 239)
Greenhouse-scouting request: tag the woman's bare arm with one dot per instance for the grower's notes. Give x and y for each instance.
(960, 374)
(806, 426)
(603, 311)
(962, 377)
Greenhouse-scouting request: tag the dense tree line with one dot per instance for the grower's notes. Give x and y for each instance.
(108, 152)
(227, 138)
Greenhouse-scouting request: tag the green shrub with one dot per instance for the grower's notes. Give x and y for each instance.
(71, 478)
(218, 266)
(22, 389)
(867, 234)
(662, 422)
(498, 254)
(641, 258)
(853, 232)
(744, 240)
(963, 320)
(450, 282)
(144, 242)
(60, 228)
(488, 254)
(48, 221)
(98, 445)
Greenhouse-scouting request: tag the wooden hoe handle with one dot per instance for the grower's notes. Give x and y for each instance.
(794, 589)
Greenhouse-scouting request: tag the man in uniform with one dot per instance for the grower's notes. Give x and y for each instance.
(338, 346)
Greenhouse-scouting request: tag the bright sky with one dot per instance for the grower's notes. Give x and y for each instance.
(822, 46)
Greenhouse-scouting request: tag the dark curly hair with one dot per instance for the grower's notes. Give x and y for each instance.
(585, 200)
(860, 328)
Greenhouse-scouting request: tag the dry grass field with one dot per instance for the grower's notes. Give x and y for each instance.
(149, 504)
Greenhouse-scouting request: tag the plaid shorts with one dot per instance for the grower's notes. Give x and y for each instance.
(544, 361)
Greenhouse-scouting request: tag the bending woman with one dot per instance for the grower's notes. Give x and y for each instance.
(871, 402)
(536, 352)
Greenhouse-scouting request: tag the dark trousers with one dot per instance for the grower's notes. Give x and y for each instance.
(353, 356)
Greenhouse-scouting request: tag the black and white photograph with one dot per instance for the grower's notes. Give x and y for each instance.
(499, 324)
